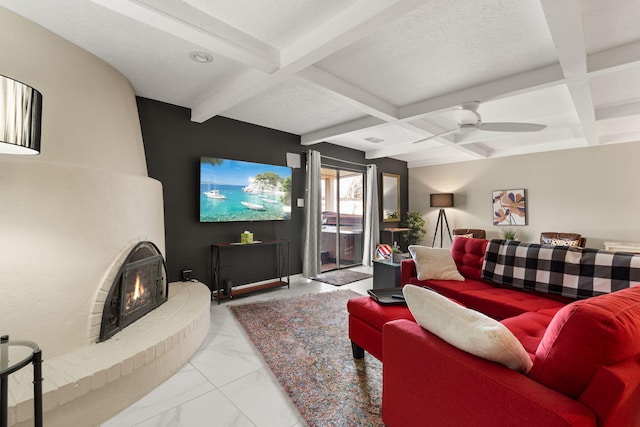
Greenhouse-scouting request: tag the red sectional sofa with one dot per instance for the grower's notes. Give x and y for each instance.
(585, 353)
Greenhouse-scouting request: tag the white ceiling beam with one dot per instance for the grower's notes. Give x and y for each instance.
(497, 89)
(620, 138)
(615, 59)
(218, 37)
(356, 22)
(244, 86)
(400, 149)
(607, 112)
(351, 94)
(323, 134)
(509, 86)
(564, 19)
(447, 140)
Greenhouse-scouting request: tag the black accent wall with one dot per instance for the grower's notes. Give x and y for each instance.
(173, 146)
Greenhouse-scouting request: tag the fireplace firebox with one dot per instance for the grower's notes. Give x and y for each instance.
(139, 287)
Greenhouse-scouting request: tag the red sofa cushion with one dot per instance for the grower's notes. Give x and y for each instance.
(529, 329)
(501, 303)
(468, 255)
(369, 311)
(451, 288)
(585, 335)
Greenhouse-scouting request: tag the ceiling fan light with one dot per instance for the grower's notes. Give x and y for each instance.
(465, 117)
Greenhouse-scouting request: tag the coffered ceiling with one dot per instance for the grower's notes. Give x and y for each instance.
(378, 75)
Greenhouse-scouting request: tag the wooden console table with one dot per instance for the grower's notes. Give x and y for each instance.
(282, 268)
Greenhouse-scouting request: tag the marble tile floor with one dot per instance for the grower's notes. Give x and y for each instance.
(226, 383)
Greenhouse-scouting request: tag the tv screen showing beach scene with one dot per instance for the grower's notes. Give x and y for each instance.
(234, 190)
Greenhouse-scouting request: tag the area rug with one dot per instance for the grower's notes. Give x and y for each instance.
(341, 277)
(305, 343)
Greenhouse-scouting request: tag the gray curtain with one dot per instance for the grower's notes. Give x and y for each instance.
(371, 218)
(312, 217)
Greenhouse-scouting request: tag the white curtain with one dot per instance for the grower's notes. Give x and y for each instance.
(312, 217)
(371, 219)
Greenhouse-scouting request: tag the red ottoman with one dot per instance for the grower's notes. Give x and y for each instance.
(366, 318)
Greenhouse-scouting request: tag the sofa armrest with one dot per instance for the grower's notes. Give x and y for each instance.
(614, 393)
(426, 381)
(407, 271)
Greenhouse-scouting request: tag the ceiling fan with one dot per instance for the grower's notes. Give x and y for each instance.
(469, 120)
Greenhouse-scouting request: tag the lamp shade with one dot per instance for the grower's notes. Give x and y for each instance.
(441, 200)
(20, 117)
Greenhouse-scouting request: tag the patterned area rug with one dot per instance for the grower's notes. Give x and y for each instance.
(341, 277)
(305, 343)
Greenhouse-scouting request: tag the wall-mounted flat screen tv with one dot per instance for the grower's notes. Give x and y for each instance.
(234, 190)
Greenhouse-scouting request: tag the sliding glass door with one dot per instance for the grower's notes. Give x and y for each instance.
(342, 217)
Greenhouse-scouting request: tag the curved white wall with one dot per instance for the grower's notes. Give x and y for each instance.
(67, 214)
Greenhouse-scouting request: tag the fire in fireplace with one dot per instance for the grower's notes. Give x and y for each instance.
(139, 287)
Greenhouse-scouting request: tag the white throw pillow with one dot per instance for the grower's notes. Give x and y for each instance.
(466, 329)
(434, 263)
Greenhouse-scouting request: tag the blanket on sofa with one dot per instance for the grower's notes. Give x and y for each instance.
(563, 270)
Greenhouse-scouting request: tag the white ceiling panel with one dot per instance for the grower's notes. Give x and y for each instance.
(278, 23)
(616, 88)
(446, 46)
(347, 71)
(610, 23)
(292, 107)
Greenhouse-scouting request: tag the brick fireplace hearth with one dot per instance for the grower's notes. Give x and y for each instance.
(90, 385)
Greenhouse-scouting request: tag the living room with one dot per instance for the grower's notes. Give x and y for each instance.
(117, 167)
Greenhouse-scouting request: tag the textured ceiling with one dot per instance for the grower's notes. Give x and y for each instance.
(378, 75)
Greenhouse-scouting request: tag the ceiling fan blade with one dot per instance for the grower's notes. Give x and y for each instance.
(511, 127)
(449, 132)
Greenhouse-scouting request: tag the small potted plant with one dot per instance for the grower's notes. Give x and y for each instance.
(396, 253)
(509, 234)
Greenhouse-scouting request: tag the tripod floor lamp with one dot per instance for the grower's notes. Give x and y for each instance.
(441, 200)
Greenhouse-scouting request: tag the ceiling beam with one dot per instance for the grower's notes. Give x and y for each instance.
(615, 59)
(399, 149)
(346, 127)
(356, 22)
(564, 19)
(607, 112)
(509, 86)
(351, 94)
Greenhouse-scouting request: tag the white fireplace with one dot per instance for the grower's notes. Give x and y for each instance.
(69, 217)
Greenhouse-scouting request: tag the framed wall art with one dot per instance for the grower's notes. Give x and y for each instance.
(509, 207)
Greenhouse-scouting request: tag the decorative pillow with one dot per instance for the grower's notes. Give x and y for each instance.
(383, 251)
(434, 263)
(466, 236)
(466, 329)
(560, 242)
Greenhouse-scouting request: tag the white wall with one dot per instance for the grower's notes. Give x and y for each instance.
(593, 191)
(67, 214)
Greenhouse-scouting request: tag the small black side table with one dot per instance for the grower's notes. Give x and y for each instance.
(15, 355)
(386, 274)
